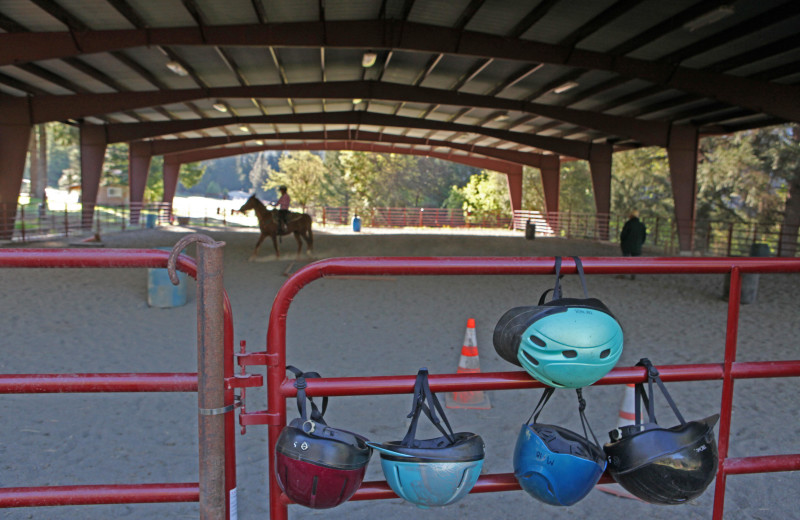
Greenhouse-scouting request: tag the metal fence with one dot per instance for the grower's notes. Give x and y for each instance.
(214, 382)
(279, 388)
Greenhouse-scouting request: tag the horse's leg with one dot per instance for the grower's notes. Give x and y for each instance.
(299, 243)
(258, 244)
(275, 243)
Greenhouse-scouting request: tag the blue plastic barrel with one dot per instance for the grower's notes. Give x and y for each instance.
(151, 220)
(356, 223)
(161, 292)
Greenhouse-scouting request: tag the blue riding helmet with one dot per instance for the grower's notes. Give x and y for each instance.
(564, 343)
(431, 472)
(556, 465)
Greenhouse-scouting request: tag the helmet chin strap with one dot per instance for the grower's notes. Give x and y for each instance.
(547, 394)
(422, 393)
(557, 288)
(648, 398)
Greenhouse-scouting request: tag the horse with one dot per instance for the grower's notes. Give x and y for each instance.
(297, 223)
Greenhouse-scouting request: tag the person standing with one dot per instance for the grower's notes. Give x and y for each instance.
(632, 236)
(283, 204)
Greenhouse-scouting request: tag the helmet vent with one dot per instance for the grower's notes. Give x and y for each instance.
(569, 354)
(314, 485)
(531, 358)
(604, 354)
(536, 340)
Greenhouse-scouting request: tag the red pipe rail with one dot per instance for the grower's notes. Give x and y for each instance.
(118, 382)
(279, 387)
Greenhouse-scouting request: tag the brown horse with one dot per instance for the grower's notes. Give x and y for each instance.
(298, 223)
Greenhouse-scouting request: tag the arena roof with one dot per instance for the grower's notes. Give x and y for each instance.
(550, 76)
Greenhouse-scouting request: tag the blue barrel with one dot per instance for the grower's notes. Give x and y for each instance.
(161, 292)
(356, 223)
(151, 220)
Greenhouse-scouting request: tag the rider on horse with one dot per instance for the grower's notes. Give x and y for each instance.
(283, 209)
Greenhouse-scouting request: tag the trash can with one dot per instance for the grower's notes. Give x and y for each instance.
(150, 220)
(356, 223)
(160, 291)
(749, 291)
(530, 230)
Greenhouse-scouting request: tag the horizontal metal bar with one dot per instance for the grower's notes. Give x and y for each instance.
(83, 383)
(94, 257)
(762, 464)
(514, 380)
(99, 494)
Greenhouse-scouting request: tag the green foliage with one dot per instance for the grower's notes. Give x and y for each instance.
(640, 180)
(191, 174)
(302, 173)
(576, 194)
(485, 195)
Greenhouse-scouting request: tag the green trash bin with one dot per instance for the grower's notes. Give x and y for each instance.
(749, 292)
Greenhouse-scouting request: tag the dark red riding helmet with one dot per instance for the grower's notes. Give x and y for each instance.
(318, 466)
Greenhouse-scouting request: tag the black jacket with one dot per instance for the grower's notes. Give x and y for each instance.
(632, 237)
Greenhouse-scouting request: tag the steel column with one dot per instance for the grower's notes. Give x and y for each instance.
(600, 166)
(514, 181)
(682, 154)
(93, 151)
(139, 167)
(171, 173)
(551, 179)
(15, 132)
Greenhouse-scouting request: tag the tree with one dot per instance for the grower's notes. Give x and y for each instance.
(576, 193)
(302, 173)
(484, 196)
(640, 180)
(779, 150)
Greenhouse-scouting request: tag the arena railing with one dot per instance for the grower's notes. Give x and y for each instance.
(279, 387)
(214, 382)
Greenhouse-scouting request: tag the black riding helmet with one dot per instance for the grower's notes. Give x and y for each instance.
(663, 465)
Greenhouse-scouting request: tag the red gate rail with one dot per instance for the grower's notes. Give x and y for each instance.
(129, 382)
(279, 388)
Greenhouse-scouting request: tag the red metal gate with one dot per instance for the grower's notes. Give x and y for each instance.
(217, 481)
(279, 388)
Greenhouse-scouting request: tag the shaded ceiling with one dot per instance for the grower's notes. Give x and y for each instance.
(547, 76)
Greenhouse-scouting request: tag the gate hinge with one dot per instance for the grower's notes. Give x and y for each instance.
(244, 381)
(258, 418)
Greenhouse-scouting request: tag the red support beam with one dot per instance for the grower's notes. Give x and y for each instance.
(515, 189)
(779, 100)
(134, 131)
(139, 160)
(93, 151)
(551, 179)
(13, 150)
(173, 146)
(653, 133)
(600, 166)
(682, 154)
(171, 174)
(469, 160)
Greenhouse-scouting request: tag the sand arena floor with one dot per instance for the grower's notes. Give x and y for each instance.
(82, 320)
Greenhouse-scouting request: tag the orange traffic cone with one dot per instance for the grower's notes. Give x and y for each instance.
(469, 364)
(626, 417)
(627, 412)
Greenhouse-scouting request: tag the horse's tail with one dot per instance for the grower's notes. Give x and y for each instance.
(310, 233)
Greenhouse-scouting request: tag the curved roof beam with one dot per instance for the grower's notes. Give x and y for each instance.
(54, 108)
(216, 153)
(173, 146)
(779, 100)
(120, 132)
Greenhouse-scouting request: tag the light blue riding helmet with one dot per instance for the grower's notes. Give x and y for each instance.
(555, 465)
(431, 472)
(564, 343)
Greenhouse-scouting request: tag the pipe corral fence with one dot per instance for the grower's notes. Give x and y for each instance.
(279, 387)
(215, 380)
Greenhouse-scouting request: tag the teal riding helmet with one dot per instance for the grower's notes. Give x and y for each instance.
(564, 343)
(431, 472)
